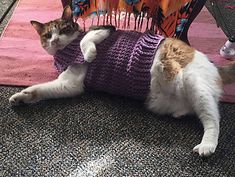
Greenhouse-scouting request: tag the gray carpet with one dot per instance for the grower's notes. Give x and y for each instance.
(4, 4)
(102, 135)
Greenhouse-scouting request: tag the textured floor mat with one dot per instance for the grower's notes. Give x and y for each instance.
(100, 135)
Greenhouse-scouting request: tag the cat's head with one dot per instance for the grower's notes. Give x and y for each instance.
(56, 34)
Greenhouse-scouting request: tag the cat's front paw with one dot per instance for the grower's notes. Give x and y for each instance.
(205, 149)
(90, 53)
(23, 97)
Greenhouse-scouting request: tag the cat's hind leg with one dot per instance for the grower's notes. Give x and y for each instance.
(205, 105)
(68, 84)
(167, 96)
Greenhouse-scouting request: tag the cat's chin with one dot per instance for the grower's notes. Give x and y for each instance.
(51, 51)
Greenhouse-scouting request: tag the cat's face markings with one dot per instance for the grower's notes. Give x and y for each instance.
(56, 34)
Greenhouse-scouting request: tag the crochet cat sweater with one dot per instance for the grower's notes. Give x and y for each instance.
(122, 65)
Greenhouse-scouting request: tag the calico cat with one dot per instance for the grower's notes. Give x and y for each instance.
(181, 79)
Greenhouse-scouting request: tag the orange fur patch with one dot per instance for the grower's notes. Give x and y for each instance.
(175, 55)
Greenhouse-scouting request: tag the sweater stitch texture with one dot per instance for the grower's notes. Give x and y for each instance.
(122, 65)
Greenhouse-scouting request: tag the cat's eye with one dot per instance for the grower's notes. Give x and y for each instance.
(65, 30)
(47, 35)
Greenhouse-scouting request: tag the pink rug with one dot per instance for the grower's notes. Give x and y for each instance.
(23, 61)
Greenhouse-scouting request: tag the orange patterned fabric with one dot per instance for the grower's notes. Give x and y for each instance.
(163, 14)
(85, 8)
(170, 6)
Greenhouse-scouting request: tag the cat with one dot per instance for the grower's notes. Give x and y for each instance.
(182, 79)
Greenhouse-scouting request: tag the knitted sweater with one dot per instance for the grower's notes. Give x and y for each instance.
(122, 65)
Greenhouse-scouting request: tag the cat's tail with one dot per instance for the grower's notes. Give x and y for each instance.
(227, 73)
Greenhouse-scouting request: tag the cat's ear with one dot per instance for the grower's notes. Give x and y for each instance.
(37, 26)
(67, 13)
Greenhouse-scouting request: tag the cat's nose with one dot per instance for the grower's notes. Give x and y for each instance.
(55, 41)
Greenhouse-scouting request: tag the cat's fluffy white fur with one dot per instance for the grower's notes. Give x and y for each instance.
(194, 90)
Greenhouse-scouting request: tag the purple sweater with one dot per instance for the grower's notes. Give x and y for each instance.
(122, 65)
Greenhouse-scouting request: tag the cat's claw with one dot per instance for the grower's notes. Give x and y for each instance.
(205, 149)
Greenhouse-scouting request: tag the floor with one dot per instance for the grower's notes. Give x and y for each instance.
(102, 135)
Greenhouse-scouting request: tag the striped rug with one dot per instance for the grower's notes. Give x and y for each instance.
(23, 62)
